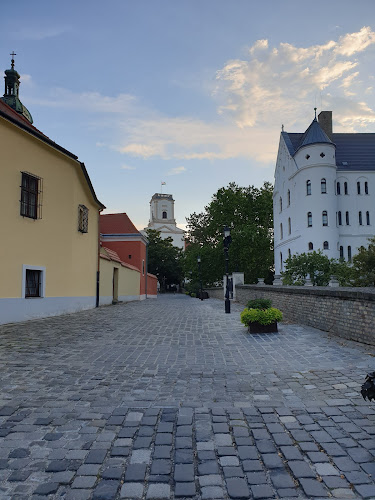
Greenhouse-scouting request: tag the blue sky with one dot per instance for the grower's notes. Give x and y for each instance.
(190, 92)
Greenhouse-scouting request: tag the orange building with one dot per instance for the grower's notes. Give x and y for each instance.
(119, 234)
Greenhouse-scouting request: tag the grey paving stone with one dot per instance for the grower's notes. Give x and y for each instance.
(272, 461)
(359, 455)
(132, 490)
(184, 473)
(135, 472)
(63, 477)
(252, 465)
(365, 490)
(247, 452)
(156, 491)
(233, 472)
(46, 489)
(185, 490)
(229, 461)
(282, 480)
(210, 467)
(325, 469)
(301, 469)
(112, 473)
(357, 477)
(96, 457)
(287, 493)
(313, 488)
(262, 491)
(140, 457)
(161, 467)
(256, 478)
(106, 490)
(291, 453)
(184, 456)
(210, 480)
(212, 493)
(19, 475)
(317, 456)
(84, 482)
(88, 470)
(237, 488)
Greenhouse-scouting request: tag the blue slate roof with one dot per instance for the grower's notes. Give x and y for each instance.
(353, 151)
(314, 135)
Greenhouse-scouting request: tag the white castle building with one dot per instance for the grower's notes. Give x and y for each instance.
(162, 219)
(324, 194)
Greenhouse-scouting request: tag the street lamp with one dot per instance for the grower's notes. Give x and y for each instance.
(227, 242)
(200, 275)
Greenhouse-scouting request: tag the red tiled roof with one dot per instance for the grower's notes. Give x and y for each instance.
(108, 254)
(112, 254)
(14, 116)
(117, 224)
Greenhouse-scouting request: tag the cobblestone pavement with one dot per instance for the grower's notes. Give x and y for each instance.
(171, 399)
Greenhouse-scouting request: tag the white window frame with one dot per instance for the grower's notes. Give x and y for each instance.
(25, 267)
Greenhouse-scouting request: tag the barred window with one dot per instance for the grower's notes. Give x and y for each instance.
(31, 196)
(83, 219)
(33, 283)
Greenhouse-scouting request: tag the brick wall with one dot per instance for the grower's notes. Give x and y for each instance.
(347, 312)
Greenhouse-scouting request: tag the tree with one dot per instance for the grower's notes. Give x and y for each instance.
(364, 265)
(164, 259)
(319, 267)
(249, 214)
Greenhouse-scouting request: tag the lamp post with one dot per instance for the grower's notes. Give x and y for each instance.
(227, 242)
(200, 276)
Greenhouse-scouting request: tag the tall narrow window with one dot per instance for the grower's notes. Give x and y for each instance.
(309, 219)
(358, 187)
(289, 253)
(368, 218)
(281, 232)
(349, 253)
(83, 219)
(33, 283)
(341, 252)
(323, 186)
(30, 196)
(338, 188)
(347, 218)
(366, 187)
(325, 218)
(288, 197)
(311, 246)
(281, 204)
(325, 245)
(281, 261)
(308, 187)
(164, 215)
(345, 188)
(289, 226)
(339, 218)
(360, 218)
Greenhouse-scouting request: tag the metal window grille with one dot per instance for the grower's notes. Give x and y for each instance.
(83, 219)
(33, 283)
(31, 196)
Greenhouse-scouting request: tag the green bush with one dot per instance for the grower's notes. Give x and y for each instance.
(262, 316)
(259, 304)
(193, 295)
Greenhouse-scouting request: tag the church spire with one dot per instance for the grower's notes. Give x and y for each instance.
(11, 94)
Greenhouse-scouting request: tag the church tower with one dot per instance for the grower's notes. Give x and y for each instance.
(11, 94)
(162, 219)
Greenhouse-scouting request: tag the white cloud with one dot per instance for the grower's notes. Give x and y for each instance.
(353, 43)
(176, 171)
(128, 167)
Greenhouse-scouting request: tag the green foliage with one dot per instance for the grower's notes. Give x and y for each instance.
(364, 265)
(262, 316)
(193, 295)
(259, 304)
(164, 259)
(248, 212)
(298, 266)
(343, 272)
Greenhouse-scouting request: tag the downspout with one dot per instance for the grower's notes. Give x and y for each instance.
(98, 268)
(146, 266)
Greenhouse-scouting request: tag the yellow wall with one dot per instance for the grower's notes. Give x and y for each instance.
(69, 256)
(129, 279)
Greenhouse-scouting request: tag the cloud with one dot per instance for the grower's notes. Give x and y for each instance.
(127, 167)
(353, 43)
(176, 171)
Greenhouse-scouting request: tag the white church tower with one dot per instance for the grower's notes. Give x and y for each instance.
(162, 219)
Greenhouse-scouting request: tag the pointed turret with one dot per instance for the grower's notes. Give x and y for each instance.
(11, 94)
(314, 135)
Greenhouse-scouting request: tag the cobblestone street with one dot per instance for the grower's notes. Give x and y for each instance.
(172, 398)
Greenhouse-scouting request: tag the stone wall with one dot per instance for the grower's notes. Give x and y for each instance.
(347, 312)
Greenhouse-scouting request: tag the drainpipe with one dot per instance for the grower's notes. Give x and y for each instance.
(98, 269)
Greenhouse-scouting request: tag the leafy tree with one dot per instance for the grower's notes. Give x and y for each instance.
(249, 214)
(364, 265)
(319, 267)
(164, 259)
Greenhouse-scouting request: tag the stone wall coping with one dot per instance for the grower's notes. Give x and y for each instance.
(348, 293)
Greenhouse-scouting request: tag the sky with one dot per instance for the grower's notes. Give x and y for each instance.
(192, 93)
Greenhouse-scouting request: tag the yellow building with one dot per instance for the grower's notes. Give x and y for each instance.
(49, 220)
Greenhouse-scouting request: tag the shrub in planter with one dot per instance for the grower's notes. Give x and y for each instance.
(261, 320)
(259, 304)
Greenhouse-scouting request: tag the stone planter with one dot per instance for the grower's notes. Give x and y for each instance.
(258, 328)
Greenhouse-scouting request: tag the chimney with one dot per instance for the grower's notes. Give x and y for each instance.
(325, 121)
